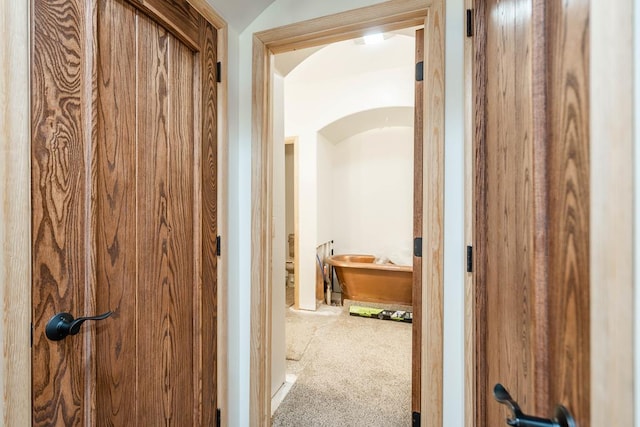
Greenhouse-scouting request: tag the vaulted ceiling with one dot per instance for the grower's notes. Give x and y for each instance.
(240, 13)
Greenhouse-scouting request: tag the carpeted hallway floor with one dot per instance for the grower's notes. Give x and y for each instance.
(351, 371)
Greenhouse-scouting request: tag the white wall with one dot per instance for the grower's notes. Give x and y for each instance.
(307, 219)
(636, 168)
(285, 12)
(325, 158)
(278, 257)
(372, 197)
(337, 81)
(315, 100)
(239, 267)
(454, 246)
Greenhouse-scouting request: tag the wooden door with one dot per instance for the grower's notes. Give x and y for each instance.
(416, 330)
(532, 206)
(124, 212)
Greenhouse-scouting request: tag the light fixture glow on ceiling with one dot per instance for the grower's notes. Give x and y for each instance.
(373, 38)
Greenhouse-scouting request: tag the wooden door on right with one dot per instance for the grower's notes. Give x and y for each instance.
(531, 209)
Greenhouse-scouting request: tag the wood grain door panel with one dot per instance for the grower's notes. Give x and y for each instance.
(115, 226)
(532, 206)
(509, 216)
(568, 171)
(124, 219)
(59, 226)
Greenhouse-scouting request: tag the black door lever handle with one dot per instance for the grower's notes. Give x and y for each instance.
(562, 417)
(63, 324)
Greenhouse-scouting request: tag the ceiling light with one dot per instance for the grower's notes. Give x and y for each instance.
(373, 38)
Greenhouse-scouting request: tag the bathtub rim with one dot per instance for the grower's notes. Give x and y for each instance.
(336, 262)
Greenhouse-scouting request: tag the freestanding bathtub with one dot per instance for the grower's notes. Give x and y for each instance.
(363, 280)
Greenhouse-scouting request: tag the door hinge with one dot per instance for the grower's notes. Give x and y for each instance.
(420, 71)
(219, 72)
(415, 419)
(218, 416)
(417, 247)
(469, 22)
(469, 259)
(218, 246)
(31, 331)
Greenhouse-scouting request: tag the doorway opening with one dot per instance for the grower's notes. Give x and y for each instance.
(388, 16)
(351, 105)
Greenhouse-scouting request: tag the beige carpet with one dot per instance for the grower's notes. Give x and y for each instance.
(354, 372)
(301, 327)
